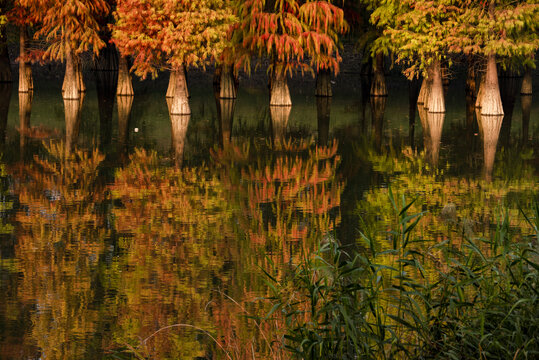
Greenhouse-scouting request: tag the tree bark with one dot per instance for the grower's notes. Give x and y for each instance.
(323, 83)
(179, 134)
(180, 100)
(280, 95)
(70, 88)
(26, 82)
(125, 86)
(480, 91)
(172, 82)
(490, 131)
(226, 119)
(491, 102)
(378, 86)
(125, 103)
(436, 103)
(323, 112)
(422, 97)
(227, 83)
(526, 88)
(279, 121)
(5, 64)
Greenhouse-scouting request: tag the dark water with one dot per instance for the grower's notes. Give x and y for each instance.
(105, 243)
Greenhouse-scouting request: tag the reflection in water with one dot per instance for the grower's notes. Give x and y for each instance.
(225, 113)
(378, 107)
(489, 127)
(25, 110)
(413, 94)
(526, 101)
(125, 103)
(106, 83)
(279, 120)
(179, 134)
(509, 86)
(323, 110)
(365, 81)
(5, 97)
(72, 109)
(432, 124)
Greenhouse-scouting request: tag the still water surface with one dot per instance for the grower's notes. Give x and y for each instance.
(105, 238)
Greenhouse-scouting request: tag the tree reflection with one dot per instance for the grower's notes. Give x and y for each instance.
(490, 127)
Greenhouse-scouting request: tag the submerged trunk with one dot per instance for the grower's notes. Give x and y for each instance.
(125, 87)
(323, 107)
(323, 83)
(5, 64)
(413, 94)
(25, 110)
(179, 134)
(280, 95)
(227, 83)
(378, 108)
(26, 82)
(226, 116)
(180, 100)
(125, 103)
(435, 123)
(491, 102)
(526, 88)
(279, 120)
(490, 130)
(378, 86)
(435, 102)
(72, 108)
(70, 88)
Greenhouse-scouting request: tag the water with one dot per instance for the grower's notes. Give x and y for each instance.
(100, 254)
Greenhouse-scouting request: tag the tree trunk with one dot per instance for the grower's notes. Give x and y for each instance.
(378, 86)
(5, 64)
(323, 107)
(470, 86)
(279, 120)
(378, 108)
(72, 108)
(227, 83)
(107, 59)
(280, 95)
(422, 97)
(25, 110)
(26, 82)
(435, 124)
(70, 88)
(78, 74)
(180, 100)
(436, 103)
(491, 102)
(125, 103)
(526, 88)
(480, 91)
(413, 95)
(172, 82)
(179, 134)
(444, 69)
(323, 83)
(490, 131)
(125, 87)
(226, 116)
(526, 101)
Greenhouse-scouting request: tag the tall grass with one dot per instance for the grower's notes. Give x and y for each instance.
(476, 299)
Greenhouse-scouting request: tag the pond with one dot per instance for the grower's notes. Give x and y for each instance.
(123, 236)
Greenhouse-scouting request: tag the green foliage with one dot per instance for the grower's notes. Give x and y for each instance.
(475, 300)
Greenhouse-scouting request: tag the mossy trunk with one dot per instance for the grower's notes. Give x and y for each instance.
(280, 95)
(108, 59)
(125, 103)
(490, 131)
(279, 121)
(125, 86)
(5, 98)
(435, 123)
(378, 86)
(323, 112)
(106, 85)
(26, 82)
(180, 100)
(378, 108)
(72, 108)
(25, 111)
(179, 133)
(526, 101)
(226, 118)
(527, 80)
(70, 87)
(436, 102)
(491, 102)
(5, 64)
(227, 83)
(323, 83)
(413, 95)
